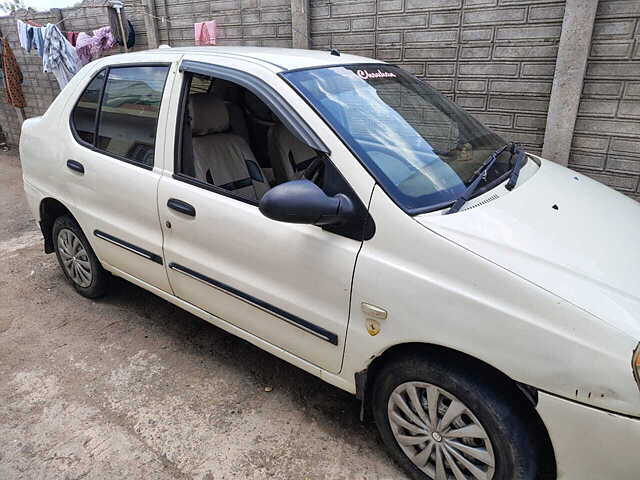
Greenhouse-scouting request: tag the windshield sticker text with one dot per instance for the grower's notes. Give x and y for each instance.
(379, 74)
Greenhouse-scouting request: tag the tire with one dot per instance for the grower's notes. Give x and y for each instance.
(77, 259)
(509, 452)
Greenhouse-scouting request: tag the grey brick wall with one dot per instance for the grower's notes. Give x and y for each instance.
(264, 23)
(606, 142)
(496, 58)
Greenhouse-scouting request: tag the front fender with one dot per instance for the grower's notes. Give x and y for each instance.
(439, 293)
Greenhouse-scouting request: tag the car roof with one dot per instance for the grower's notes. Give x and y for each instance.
(280, 58)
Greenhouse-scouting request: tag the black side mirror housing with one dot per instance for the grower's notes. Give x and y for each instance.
(302, 201)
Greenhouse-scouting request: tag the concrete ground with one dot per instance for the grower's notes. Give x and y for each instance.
(132, 387)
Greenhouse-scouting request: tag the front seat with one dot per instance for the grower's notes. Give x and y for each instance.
(229, 92)
(290, 156)
(221, 158)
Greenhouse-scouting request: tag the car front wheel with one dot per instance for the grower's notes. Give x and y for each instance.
(77, 259)
(443, 420)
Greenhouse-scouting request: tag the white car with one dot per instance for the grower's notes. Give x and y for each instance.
(341, 214)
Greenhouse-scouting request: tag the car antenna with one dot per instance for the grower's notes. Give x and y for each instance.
(333, 51)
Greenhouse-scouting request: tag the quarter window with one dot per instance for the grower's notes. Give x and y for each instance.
(84, 113)
(127, 105)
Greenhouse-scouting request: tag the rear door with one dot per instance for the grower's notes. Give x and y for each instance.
(114, 169)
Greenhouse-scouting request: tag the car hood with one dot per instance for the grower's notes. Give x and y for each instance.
(564, 232)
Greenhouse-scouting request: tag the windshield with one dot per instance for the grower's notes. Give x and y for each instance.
(421, 147)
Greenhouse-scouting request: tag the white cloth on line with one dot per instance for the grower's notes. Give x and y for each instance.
(22, 33)
(59, 56)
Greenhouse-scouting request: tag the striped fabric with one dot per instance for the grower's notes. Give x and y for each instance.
(59, 57)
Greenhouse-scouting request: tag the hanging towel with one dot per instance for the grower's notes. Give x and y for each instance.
(22, 33)
(59, 57)
(12, 76)
(205, 32)
(83, 47)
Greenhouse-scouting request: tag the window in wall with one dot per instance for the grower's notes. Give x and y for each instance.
(129, 112)
(84, 113)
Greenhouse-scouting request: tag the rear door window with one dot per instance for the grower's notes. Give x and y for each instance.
(125, 101)
(129, 112)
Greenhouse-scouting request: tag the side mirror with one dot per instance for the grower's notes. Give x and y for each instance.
(302, 201)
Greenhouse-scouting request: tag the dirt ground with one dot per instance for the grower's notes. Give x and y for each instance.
(132, 387)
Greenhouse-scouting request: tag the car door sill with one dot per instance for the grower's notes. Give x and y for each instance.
(128, 246)
(262, 305)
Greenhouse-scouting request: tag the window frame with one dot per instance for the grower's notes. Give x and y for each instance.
(93, 147)
(261, 89)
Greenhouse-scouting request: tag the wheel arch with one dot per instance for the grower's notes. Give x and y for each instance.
(50, 209)
(528, 395)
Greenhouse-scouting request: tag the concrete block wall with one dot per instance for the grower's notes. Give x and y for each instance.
(606, 142)
(494, 58)
(264, 23)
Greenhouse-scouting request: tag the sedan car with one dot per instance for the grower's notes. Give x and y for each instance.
(343, 215)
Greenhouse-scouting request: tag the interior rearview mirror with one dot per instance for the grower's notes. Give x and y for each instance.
(302, 201)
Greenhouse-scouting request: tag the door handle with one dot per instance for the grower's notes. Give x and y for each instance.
(182, 207)
(76, 166)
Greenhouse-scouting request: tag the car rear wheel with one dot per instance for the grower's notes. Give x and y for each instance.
(449, 422)
(77, 259)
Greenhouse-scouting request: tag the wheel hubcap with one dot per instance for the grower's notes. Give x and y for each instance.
(439, 433)
(74, 258)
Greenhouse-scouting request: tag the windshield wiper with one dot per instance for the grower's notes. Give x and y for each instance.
(517, 165)
(479, 175)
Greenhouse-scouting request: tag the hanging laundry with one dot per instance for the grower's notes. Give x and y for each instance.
(22, 33)
(59, 57)
(12, 76)
(205, 32)
(38, 39)
(131, 38)
(90, 47)
(83, 47)
(114, 23)
(72, 37)
(103, 39)
(30, 44)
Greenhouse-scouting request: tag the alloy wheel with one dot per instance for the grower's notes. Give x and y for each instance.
(75, 259)
(439, 433)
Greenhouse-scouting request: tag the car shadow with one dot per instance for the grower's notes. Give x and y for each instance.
(333, 410)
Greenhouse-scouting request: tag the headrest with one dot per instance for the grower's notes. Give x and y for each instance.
(257, 107)
(208, 114)
(227, 91)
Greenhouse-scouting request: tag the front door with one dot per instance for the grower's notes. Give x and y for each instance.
(285, 283)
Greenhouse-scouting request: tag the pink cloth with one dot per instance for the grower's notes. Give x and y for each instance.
(90, 47)
(83, 47)
(205, 32)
